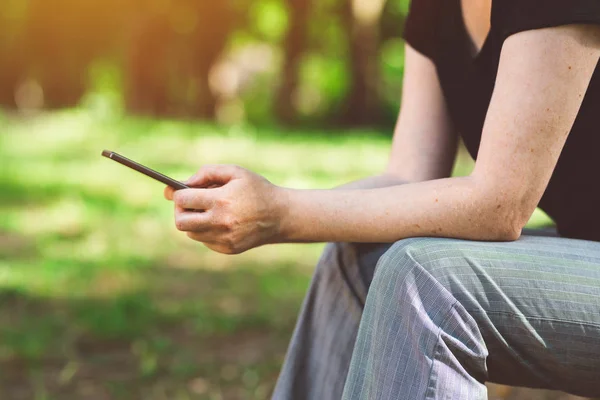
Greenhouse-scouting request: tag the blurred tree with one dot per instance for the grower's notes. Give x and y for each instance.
(335, 60)
(393, 18)
(146, 66)
(11, 52)
(53, 30)
(170, 55)
(216, 21)
(60, 40)
(10, 67)
(391, 58)
(294, 47)
(362, 23)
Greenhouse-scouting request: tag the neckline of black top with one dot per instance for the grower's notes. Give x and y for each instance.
(474, 53)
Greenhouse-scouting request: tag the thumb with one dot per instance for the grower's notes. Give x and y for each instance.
(214, 176)
(168, 193)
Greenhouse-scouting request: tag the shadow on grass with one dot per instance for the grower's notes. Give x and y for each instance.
(183, 333)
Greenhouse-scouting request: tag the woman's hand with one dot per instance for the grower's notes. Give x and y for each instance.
(230, 209)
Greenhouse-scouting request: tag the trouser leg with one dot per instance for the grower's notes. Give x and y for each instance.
(319, 355)
(443, 316)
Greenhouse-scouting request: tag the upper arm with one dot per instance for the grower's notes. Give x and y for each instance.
(542, 78)
(424, 145)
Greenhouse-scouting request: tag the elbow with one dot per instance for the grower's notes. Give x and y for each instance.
(504, 214)
(502, 226)
(509, 232)
(517, 220)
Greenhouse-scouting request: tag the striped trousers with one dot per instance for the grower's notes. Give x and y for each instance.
(431, 318)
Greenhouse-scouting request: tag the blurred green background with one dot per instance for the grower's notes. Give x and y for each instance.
(100, 296)
(291, 61)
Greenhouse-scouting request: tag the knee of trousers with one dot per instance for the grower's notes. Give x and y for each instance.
(415, 290)
(417, 277)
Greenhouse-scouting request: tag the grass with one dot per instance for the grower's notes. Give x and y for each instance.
(101, 297)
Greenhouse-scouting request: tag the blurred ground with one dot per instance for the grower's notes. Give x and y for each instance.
(100, 296)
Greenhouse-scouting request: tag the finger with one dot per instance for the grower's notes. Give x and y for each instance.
(194, 199)
(214, 175)
(191, 221)
(169, 193)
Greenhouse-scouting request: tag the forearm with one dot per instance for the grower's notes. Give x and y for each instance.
(373, 182)
(452, 207)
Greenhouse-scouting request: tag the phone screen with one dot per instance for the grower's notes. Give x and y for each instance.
(144, 170)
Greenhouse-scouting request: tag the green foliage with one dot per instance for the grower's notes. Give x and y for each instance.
(392, 72)
(323, 82)
(270, 18)
(399, 6)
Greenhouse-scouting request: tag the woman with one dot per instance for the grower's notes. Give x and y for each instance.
(462, 297)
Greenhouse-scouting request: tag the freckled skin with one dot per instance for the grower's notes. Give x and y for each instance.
(541, 79)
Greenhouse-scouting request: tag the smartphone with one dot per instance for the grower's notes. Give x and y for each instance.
(144, 170)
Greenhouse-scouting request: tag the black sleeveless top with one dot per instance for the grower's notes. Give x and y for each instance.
(436, 29)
